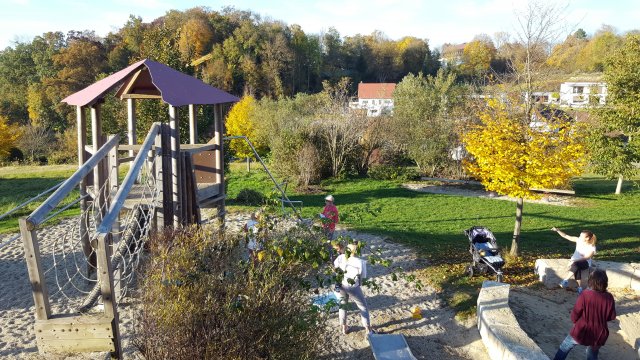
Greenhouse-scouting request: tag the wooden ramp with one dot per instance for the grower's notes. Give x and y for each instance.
(390, 347)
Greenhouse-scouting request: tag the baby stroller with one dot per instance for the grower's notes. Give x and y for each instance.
(485, 252)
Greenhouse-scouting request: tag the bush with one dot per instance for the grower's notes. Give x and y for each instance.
(200, 300)
(308, 165)
(250, 197)
(15, 155)
(390, 172)
(67, 148)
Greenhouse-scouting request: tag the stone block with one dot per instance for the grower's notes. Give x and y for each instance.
(499, 328)
(621, 276)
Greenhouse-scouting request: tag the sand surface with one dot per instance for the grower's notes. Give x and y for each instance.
(544, 314)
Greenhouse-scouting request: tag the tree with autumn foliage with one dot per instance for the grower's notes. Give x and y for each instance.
(615, 141)
(511, 157)
(239, 122)
(9, 135)
(477, 56)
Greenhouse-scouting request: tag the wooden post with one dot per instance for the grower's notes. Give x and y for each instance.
(174, 125)
(158, 219)
(131, 124)
(184, 189)
(97, 141)
(167, 177)
(36, 275)
(106, 289)
(84, 214)
(113, 188)
(193, 125)
(219, 161)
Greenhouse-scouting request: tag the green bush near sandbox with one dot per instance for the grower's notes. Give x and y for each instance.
(200, 300)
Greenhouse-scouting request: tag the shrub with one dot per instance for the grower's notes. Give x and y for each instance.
(250, 197)
(67, 149)
(200, 300)
(390, 172)
(308, 165)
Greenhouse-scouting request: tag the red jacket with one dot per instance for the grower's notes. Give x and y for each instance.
(590, 315)
(330, 212)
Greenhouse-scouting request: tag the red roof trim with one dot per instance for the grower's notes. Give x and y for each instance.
(176, 88)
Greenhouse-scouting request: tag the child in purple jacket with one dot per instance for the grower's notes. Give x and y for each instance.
(593, 309)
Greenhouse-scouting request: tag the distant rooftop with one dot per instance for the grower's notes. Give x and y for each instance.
(376, 90)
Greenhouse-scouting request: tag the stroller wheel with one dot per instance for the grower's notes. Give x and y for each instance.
(469, 270)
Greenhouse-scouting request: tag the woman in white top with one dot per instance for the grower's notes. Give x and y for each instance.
(581, 258)
(354, 270)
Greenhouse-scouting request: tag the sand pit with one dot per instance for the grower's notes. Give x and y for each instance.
(544, 314)
(436, 336)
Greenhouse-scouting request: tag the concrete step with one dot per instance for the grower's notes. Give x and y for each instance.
(621, 275)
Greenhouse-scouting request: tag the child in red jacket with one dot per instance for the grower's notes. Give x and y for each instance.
(593, 309)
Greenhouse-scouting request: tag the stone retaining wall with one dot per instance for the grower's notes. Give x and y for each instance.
(621, 275)
(499, 329)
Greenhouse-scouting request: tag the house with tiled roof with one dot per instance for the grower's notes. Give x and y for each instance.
(451, 54)
(376, 98)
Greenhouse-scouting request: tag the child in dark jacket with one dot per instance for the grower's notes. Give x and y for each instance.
(593, 309)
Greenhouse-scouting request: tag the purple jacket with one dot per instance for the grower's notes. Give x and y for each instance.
(590, 315)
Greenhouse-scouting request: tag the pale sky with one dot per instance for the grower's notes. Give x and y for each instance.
(439, 21)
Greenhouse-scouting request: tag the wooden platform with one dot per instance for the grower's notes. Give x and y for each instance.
(137, 195)
(209, 192)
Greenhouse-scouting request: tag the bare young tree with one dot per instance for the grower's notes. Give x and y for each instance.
(36, 141)
(539, 25)
(339, 128)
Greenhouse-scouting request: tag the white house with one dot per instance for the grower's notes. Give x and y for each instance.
(376, 98)
(577, 94)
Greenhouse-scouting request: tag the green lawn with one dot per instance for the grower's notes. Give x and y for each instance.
(20, 183)
(433, 225)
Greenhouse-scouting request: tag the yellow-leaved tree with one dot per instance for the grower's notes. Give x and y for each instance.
(240, 122)
(512, 156)
(9, 136)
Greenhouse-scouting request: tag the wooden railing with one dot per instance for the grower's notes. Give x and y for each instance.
(38, 216)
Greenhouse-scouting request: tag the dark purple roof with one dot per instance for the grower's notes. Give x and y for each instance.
(176, 88)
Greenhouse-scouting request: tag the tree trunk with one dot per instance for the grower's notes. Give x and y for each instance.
(248, 164)
(516, 229)
(619, 186)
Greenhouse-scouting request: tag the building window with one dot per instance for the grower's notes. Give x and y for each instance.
(578, 89)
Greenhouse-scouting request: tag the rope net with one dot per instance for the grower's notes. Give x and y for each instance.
(68, 249)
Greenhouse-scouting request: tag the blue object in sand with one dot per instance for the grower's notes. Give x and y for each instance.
(321, 300)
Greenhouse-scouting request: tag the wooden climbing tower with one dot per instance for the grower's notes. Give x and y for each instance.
(181, 177)
(194, 172)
